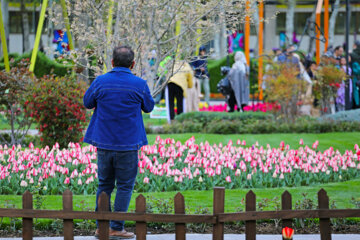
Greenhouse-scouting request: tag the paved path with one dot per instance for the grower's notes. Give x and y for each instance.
(209, 237)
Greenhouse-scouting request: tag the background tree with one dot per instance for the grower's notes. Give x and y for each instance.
(25, 27)
(149, 27)
(290, 12)
(332, 22)
(13, 87)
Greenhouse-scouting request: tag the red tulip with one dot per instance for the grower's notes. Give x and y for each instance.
(287, 233)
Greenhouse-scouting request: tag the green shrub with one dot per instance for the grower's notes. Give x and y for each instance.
(245, 125)
(13, 87)
(55, 103)
(352, 116)
(43, 65)
(11, 55)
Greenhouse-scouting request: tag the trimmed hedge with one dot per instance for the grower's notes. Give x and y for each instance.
(250, 123)
(43, 65)
(352, 115)
(257, 127)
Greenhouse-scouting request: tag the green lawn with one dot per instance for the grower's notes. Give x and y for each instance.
(341, 193)
(340, 141)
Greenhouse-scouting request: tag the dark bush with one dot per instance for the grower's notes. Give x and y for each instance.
(55, 103)
(43, 65)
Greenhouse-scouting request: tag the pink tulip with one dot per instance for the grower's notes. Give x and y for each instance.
(228, 179)
(67, 180)
(146, 180)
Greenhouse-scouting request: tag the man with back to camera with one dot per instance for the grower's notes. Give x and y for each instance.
(117, 130)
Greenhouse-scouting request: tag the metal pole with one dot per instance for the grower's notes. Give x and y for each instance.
(326, 23)
(247, 32)
(38, 35)
(261, 32)
(4, 43)
(67, 24)
(318, 23)
(347, 82)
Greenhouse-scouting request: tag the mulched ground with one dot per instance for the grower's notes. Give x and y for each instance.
(262, 228)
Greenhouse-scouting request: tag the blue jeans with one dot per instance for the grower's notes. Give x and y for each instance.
(205, 82)
(120, 167)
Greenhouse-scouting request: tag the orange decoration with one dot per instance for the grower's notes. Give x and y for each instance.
(287, 233)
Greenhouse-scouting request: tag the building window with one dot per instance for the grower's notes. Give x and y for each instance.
(280, 22)
(300, 19)
(340, 24)
(15, 21)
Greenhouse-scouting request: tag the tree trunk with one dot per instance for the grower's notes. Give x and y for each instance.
(312, 30)
(222, 37)
(290, 20)
(256, 21)
(332, 22)
(25, 27)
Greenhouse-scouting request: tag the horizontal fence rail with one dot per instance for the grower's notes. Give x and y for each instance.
(217, 219)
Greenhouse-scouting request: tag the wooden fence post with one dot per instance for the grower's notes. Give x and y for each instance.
(325, 228)
(180, 228)
(103, 206)
(250, 226)
(68, 223)
(286, 204)
(27, 228)
(218, 207)
(140, 226)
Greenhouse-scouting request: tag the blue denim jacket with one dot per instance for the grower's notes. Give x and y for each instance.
(118, 98)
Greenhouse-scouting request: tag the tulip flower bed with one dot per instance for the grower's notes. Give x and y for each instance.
(168, 165)
(258, 107)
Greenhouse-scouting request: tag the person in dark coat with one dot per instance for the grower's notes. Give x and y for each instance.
(199, 64)
(355, 65)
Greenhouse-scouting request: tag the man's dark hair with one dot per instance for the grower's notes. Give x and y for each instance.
(338, 47)
(123, 56)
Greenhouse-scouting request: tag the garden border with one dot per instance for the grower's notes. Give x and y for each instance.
(218, 218)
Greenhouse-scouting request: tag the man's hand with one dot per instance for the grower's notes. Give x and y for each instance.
(202, 69)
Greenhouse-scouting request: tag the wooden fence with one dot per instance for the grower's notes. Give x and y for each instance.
(217, 219)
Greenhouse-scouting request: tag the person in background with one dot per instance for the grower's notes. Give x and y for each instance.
(199, 65)
(340, 98)
(117, 130)
(288, 56)
(239, 81)
(161, 77)
(193, 97)
(355, 64)
(177, 87)
(311, 69)
(338, 53)
(277, 52)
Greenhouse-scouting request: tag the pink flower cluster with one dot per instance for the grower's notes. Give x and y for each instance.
(171, 165)
(195, 162)
(32, 165)
(258, 107)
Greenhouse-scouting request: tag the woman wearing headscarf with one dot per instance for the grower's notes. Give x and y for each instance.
(238, 78)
